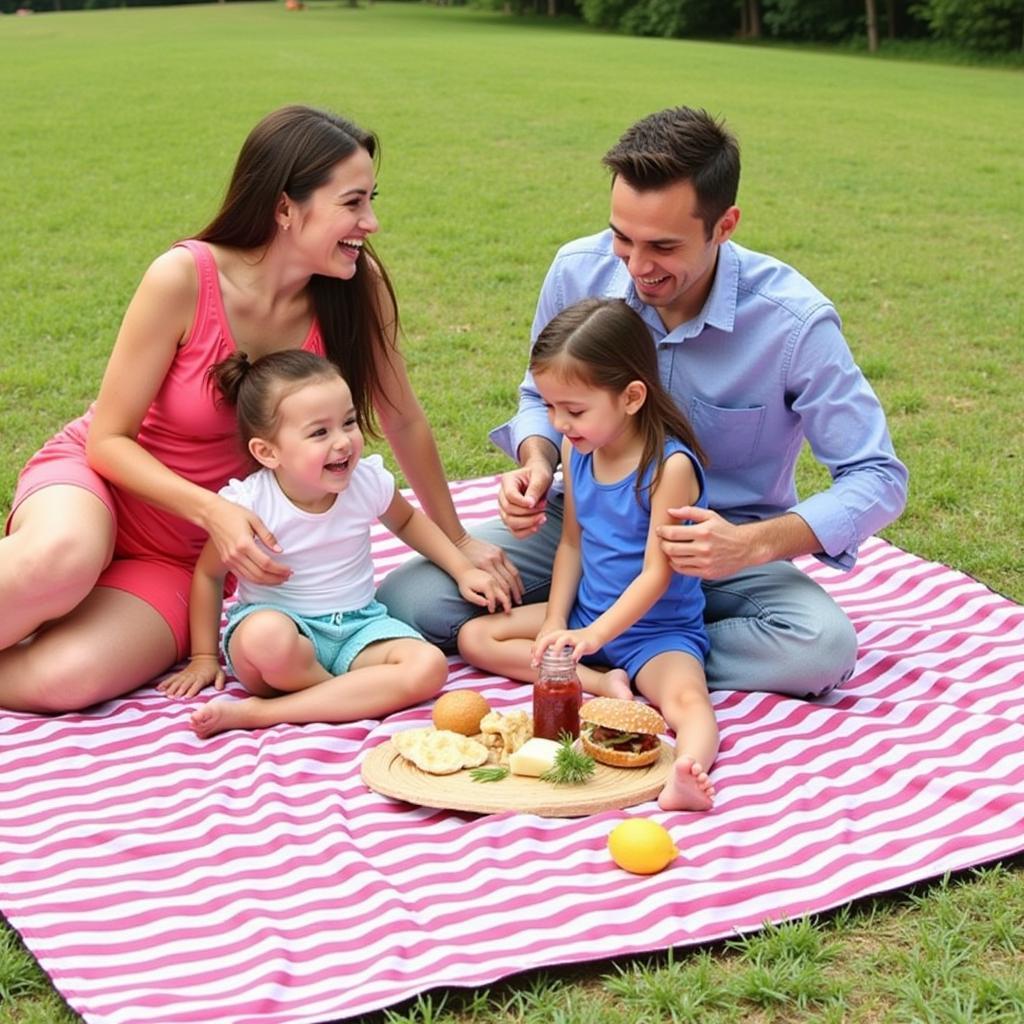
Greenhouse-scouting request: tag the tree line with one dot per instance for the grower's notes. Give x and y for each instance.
(42, 6)
(985, 26)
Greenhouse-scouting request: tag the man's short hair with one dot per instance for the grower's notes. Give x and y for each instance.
(681, 144)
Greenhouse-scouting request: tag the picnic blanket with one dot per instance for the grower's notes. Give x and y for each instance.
(252, 877)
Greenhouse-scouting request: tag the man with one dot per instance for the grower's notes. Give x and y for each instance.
(755, 357)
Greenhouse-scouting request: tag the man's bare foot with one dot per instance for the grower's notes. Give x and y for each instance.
(220, 715)
(688, 788)
(613, 683)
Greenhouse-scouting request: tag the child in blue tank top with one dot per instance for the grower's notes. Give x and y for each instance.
(628, 456)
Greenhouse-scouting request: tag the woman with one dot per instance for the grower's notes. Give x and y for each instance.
(109, 517)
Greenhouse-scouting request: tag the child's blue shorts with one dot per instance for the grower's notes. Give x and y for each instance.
(337, 638)
(642, 642)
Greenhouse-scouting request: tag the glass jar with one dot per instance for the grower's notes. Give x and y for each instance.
(557, 695)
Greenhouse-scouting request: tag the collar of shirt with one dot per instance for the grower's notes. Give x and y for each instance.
(719, 309)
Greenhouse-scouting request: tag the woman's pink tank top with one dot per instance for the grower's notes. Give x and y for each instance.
(187, 429)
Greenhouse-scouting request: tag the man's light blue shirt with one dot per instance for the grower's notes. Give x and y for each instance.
(762, 367)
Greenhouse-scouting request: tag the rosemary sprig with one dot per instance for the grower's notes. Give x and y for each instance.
(489, 773)
(571, 766)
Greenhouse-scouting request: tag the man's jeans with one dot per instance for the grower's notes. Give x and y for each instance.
(771, 627)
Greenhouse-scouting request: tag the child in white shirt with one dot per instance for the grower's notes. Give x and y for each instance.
(317, 647)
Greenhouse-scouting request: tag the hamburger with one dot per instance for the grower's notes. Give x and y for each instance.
(621, 733)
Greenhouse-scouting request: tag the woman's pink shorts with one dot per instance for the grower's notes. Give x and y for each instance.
(162, 582)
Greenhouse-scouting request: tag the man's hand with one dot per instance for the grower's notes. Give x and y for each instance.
(522, 497)
(709, 546)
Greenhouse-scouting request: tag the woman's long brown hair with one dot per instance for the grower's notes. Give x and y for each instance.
(293, 151)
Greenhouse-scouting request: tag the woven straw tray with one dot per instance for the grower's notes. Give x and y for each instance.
(385, 771)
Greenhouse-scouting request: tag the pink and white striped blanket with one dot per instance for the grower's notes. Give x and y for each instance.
(253, 877)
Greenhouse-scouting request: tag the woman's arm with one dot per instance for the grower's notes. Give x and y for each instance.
(405, 426)
(155, 324)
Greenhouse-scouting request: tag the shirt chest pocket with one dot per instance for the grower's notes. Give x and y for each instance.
(728, 436)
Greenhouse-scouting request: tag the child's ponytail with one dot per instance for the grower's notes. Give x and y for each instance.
(227, 376)
(255, 388)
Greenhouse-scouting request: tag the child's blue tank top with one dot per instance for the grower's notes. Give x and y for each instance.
(613, 528)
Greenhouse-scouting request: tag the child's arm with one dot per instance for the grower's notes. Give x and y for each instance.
(678, 480)
(565, 573)
(204, 607)
(426, 537)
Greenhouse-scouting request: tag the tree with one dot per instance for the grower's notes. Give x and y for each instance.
(750, 19)
(871, 13)
(827, 20)
(988, 25)
(604, 13)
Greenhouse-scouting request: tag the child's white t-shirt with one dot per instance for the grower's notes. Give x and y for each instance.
(328, 552)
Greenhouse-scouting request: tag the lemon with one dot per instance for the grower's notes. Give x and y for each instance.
(641, 846)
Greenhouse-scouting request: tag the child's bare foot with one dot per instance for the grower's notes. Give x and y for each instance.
(688, 788)
(617, 684)
(220, 715)
(613, 683)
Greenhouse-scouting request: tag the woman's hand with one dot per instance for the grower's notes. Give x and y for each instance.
(493, 560)
(242, 541)
(480, 588)
(201, 670)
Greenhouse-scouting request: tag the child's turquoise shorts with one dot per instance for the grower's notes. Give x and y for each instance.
(337, 638)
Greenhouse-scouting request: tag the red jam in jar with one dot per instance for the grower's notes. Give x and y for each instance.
(557, 696)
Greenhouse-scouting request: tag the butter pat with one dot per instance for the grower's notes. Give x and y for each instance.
(534, 757)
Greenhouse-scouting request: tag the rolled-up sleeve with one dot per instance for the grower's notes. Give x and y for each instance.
(845, 426)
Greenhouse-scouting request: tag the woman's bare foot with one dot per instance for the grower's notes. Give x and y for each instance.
(613, 683)
(689, 787)
(220, 715)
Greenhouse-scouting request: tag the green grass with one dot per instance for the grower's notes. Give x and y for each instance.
(896, 187)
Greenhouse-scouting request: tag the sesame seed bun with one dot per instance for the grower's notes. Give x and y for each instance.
(622, 715)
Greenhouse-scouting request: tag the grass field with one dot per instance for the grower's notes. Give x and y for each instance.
(898, 188)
